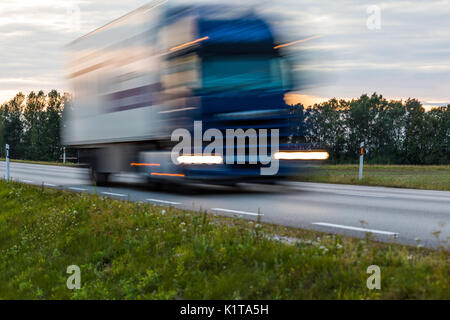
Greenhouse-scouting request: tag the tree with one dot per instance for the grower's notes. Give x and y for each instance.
(325, 125)
(2, 132)
(297, 125)
(12, 125)
(379, 124)
(435, 136)
(51, 141)
(414, 146)
(34, 125)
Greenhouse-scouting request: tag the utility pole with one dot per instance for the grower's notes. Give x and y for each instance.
(7, 162)
(361, 158)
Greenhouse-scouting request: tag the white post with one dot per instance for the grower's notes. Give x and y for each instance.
(7, 162)
(64, 155)
(361, 158)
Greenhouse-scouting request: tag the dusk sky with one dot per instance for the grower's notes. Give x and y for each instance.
(407, 56)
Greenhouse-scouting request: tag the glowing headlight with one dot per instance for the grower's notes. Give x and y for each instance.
(200, 159)
(301, 155)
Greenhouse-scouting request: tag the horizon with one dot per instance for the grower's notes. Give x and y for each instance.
(291, 99)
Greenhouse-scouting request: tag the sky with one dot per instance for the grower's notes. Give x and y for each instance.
(399, 49)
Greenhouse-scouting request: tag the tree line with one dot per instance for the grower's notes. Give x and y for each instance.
(31, 125)
(393, 132)
(397, 132)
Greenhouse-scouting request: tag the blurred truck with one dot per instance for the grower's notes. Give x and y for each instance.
(162, 68)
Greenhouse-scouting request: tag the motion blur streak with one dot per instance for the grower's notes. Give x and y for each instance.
(295, 42)
(167, 174)
(187, 44)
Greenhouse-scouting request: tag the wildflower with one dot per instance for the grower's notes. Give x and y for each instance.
(163, 212)
(324, 249)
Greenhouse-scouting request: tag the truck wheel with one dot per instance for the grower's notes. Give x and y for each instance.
(155, 185)
(99, 178)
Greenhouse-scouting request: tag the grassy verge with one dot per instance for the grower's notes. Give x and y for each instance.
(140, 251)
(401, 176)
(49, 163)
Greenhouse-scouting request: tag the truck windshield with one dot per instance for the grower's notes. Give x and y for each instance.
(241, 73)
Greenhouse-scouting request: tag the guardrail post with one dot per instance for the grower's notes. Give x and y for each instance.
(361, 158)
(7, 162)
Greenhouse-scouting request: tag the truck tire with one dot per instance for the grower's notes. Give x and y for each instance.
(99, 178)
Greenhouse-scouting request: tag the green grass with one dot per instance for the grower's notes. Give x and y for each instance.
(401, 176)
(140, 251)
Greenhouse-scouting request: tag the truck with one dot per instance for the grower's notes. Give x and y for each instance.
(161, 74)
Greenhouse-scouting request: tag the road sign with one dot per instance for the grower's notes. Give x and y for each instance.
(361, 159)
(7, 162)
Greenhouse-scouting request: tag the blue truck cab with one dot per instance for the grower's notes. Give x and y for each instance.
(240, 82)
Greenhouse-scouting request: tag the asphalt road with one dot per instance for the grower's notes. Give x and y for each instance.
(399, 215)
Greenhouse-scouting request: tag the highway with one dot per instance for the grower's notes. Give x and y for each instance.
(405, 216)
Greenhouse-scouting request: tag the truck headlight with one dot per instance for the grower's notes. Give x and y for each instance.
(301, 155)
(200, 159)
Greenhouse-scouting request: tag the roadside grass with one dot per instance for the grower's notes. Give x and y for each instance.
(401, 176)
(49, 163)
(132, 250)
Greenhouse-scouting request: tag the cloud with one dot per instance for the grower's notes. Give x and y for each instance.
(408, 56)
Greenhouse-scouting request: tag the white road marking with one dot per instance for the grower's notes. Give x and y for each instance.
(77, 189)
(114, 194)
(237, 211)
(358, 194)
(27, 181)
(49, 184)
(163, 201)
(356, 228)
